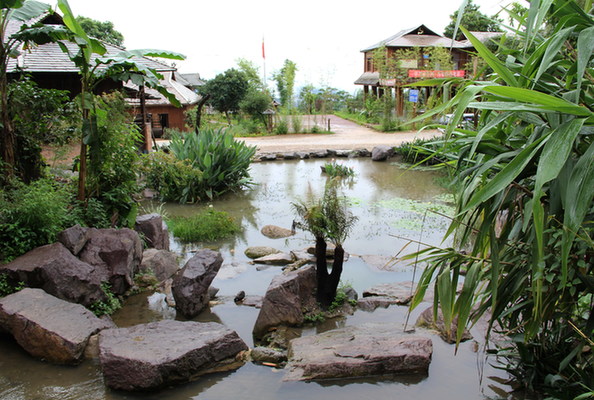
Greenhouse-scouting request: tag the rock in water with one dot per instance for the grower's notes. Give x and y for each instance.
(260, 251)
(150, 356)
(356, 351)
(162, 263)
(382, 153)
(190, 284)
(47, 327)
(286, 298)
(117, 253)
(276, 232)
(54, 269)
(154, 230)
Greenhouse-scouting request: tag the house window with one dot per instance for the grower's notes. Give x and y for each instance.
(164, 120)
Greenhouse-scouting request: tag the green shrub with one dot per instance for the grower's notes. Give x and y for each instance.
(209, 225)
(7, 287)
(32, 215)
(425, 151)
(224, 162)
(282, 127)
(296, 123)
(106, 307)
(174, 179)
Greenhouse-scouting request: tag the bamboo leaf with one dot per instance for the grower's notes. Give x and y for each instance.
(585, 47)
(500, 181)
(553, 47)
(553, 104)
(502, 71)
(444, 287)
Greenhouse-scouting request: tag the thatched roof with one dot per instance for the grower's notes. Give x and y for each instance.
(368, 78)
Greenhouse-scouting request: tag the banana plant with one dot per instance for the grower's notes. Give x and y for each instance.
(95, 65)
(21, 11)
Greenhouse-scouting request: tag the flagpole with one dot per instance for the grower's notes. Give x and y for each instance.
(264, 62)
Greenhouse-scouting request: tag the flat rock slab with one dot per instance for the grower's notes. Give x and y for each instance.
(47, 327)
(357, 351)
(402, 292)
(150, 356)
(373, 302)
(276, 259)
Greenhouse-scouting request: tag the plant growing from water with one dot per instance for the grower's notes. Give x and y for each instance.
(207, 226)
(328, 219)
(333, 169)
(108, 306)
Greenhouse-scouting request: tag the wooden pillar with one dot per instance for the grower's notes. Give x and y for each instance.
(146, 128)
(399, 102)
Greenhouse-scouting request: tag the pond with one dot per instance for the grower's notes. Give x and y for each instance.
(397, 208)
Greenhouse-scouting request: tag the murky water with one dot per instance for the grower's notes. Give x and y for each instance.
(393, 205)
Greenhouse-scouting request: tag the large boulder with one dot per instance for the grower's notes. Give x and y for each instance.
(162, 263)
(287, 296)
(382, 153)
(150, 356)
(47, 327)
(74, 238)
(276, 259)
(116, 253)
(56, 270)
(190, 284)
(358, 351)
(154, 230)
(401, 292)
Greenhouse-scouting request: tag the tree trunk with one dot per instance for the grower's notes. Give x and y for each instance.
(334, 279)
(8, 138)
(201, 104)
(321, 271)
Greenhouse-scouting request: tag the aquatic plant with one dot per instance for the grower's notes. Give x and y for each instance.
(333, 169)
(209, 225)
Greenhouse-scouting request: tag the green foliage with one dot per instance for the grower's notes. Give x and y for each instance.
(226, 91)
(525, 205)
(255, 103)
(252, 74)
(199, 167)
(282, 126)
(208, 226)
(7, 287)
(296, 123)
(114, 160)
(472, 20)
(39, 116)
(333, 169)
(285, 83)
(31, 216)
(174, 179)
(422, 151)
(106, 307)
(101, 30)
(314, 318)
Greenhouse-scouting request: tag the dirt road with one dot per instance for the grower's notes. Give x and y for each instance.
(347, 136)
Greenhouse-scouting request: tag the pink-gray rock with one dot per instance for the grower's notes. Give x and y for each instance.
(47, 327)
(402, 292)
(286, 298)
(74, 238)
(190, 284)
(426, 320)
(150, 356)
(57, 271)
(116, 253)
(357, 351)
(162, 263)
(276, 232)
(154, 230)
(382, 153)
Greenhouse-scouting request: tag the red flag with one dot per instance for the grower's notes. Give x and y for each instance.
(263, 53)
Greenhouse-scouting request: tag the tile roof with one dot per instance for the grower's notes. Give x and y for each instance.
(419, 36)
(183, 94)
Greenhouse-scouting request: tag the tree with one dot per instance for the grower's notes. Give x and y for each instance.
(285, 83)
(226, 91)
(101, 30)
(21, 11)
(525, 204)
(328, 219)
(255, 103)
(252, 74)
(94, 66)
(472, 20)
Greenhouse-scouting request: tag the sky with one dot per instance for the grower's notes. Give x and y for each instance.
(323, 37)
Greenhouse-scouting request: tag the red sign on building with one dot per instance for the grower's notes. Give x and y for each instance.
(419, 73)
